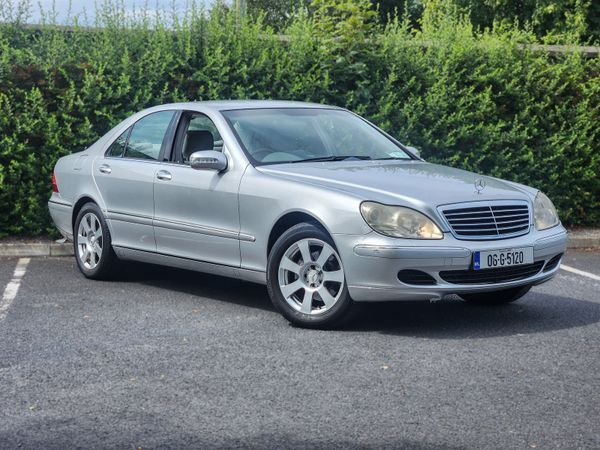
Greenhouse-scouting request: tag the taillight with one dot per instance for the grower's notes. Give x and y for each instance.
(54, 184)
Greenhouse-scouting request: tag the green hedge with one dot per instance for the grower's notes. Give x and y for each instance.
(475, 101)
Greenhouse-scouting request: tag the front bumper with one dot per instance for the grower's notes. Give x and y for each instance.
(372, 262)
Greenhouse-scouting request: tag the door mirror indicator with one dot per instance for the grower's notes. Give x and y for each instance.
(208, 160)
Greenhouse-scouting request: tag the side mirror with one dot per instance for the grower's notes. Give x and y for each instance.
(414, 150)
(208, 160)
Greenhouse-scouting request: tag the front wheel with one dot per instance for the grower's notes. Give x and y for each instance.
(496, 297)
(306, 280)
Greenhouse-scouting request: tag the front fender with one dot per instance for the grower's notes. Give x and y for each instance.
(264, 199)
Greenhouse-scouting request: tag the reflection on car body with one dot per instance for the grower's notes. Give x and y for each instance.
(314, 201)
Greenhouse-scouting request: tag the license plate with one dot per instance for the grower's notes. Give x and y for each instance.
(502, 258)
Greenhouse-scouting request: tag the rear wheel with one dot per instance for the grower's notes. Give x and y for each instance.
(496, 297)
(306, 280)
(92, 243)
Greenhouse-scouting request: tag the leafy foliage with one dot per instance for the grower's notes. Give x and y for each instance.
(277, 13)
(471, 100)
(555, 21)
(552, 21)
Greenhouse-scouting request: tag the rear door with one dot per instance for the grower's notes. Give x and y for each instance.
(196, 211)
(125, 177)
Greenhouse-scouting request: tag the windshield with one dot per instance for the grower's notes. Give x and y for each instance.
(285, 135)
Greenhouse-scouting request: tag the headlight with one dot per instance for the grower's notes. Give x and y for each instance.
(397, 221)
(544, 212)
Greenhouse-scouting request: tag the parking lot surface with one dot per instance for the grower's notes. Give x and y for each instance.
(165, 358)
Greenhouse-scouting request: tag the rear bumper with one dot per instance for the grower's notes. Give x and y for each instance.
(372, 263)
(61, 213)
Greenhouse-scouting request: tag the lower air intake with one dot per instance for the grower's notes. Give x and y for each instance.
(490, 276)
(415, 277)
(552, 263)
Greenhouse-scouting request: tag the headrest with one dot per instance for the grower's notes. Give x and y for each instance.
(198, 140)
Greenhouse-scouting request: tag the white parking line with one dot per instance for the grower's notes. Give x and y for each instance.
(580, 272)
(10, 292)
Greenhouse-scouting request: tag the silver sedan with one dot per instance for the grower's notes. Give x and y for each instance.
(315, 202)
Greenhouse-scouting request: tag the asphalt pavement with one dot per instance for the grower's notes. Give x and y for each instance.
(165, 358)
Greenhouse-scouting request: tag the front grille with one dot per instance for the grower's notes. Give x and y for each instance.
(418, 277)
(492, 220)
(497, 275)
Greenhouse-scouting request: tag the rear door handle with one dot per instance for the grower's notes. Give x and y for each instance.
(163, 175)
(105, 168)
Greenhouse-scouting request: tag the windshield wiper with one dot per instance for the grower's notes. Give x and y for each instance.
(391, 158)
(333, 158)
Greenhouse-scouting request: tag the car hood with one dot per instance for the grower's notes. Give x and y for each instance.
(409, 183)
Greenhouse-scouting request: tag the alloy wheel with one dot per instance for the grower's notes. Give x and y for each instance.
(311, 277)
(89, 241)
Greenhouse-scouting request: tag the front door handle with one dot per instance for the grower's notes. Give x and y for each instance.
(163, 175)
(105, 168)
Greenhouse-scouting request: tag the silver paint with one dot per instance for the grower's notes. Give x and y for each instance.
(220, 221)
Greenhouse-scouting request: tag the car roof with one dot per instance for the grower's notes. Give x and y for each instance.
(224, 105)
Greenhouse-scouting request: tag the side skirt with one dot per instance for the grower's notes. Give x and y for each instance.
(252, 276)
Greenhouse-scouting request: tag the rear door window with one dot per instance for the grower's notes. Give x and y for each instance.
(117, 148)
(148, 135)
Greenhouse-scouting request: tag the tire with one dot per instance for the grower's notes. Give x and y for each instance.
(496, 297)
(321, 298)
(92, 243)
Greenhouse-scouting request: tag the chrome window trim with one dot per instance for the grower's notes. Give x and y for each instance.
(166, 143)
(225, 151)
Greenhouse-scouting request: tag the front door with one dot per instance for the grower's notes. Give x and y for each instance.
(196, 211)
(125, 178)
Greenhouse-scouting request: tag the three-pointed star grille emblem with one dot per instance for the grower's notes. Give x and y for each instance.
(479, 185)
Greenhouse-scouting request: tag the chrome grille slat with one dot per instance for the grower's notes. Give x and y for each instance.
(501, 211)
(512, 218)
(470, 219)
(513, 225)
(488, 220)
(506, 208)
(501, 214)
(468, 214)
(498, 220)
(521, 225)
(475, 229)
(513, 221)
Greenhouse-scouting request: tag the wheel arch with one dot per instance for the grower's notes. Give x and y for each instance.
(288, 220)
(77, 207)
